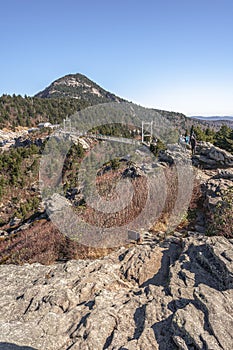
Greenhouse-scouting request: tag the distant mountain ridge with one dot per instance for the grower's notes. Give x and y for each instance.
(213, 118)
(78, 86)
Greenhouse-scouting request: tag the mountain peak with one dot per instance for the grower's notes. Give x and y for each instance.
(80, 87)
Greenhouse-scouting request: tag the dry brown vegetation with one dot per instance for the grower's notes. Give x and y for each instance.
(172, 189)
(43, 243)
(187, 218)
(124, 216)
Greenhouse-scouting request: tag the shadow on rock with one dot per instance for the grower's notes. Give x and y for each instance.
(139, 319)
(163, 334)
(208, 268)
(9, 346)
(169, 257)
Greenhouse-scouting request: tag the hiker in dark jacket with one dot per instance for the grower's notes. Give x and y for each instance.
(193, 142)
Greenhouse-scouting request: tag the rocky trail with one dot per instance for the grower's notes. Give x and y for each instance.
(176, 294)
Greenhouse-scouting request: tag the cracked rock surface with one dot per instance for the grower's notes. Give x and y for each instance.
(171, 295)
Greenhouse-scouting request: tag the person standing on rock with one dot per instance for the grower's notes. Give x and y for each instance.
(193, 142)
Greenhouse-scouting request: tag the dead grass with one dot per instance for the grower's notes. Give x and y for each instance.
(43, 243)
(187, 218)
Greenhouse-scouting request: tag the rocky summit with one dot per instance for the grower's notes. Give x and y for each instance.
(78, 86)
(173, 294)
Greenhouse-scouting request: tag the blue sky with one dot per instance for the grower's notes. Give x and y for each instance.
(168, 54)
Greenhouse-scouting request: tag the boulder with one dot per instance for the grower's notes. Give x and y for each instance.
(216, 187)
(56, 204)
(175, 154)
(15, 221)
(209, 156)
(132, 172)
(80, 140)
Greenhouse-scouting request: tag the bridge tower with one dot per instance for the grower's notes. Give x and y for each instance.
(147, 130)
(67, 124)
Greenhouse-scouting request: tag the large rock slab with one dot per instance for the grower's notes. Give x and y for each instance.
(176, 294)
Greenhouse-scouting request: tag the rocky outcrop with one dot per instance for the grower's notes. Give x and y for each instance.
(218, 203)
(7, 138)
(174, 154)
(132, 172)
(84, 142)
(27, 141)
(216, 188)
(173, 295)
(211, 157)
